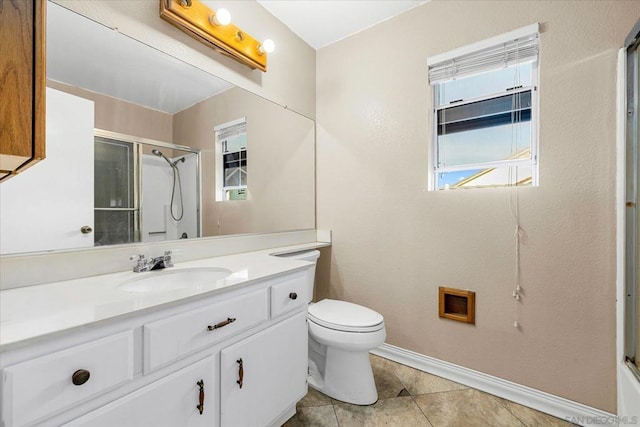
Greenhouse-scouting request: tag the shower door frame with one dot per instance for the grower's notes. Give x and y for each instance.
(627, 228)
(631, 309)
(138, 143)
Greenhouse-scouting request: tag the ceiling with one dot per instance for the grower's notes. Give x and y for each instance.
(101, 60)
(322, 22)
(91, 55)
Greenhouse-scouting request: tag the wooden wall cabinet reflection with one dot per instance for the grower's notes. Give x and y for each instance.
(22, 85)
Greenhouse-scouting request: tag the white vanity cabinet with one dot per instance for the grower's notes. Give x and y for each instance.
(260, 376)
(149, 369)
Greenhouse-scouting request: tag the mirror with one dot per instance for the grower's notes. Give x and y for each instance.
(106, 88)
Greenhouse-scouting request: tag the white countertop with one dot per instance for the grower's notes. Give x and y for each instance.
(36, 311)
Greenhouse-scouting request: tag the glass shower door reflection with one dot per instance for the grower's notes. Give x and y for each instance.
(116, 192)
(145, 190)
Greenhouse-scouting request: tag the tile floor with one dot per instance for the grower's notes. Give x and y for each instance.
(408, 397)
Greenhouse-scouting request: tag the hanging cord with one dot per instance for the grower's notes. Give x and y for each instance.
(218, 223)
(518, 235)
(219, 200)
(441, 101)
(442, 96)
(516, 118)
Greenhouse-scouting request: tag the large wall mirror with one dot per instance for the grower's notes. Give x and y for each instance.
(144, 147)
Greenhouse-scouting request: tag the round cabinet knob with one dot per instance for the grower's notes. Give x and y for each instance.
(293, 295)
(85, 229)
(80, 377)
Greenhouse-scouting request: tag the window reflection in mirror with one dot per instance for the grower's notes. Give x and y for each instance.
(231, 155)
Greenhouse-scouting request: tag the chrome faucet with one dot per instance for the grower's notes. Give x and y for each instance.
(156, 263)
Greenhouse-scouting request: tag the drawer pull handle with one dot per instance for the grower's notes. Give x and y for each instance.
(80, 377)
(293, 295)
(221, 324)
(201, 397)
(240, 372)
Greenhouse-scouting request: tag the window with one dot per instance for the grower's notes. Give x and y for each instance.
(485, 113)
(231, 163)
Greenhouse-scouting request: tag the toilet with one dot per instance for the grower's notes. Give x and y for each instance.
(340, 337)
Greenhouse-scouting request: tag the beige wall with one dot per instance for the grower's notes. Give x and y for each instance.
(116, 115)
(290, 79)
(280, 158)
(395, 242)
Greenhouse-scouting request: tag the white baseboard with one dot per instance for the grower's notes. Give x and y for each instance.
(544, 402)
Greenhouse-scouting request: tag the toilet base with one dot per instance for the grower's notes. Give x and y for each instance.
(348, 377)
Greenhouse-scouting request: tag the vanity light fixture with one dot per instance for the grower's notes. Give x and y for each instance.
(267, 46)
(221, 17)
(214, 28)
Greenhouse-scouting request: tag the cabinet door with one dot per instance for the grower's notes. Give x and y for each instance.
(171, 401)
(272, 367)
(22, 83)
(52, 215)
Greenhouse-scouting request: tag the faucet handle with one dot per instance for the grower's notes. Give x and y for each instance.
(141, 262)
(168, 262)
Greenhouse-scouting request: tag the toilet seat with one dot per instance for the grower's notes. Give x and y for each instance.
(345, 316)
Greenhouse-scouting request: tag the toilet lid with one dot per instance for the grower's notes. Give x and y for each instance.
(345, 316)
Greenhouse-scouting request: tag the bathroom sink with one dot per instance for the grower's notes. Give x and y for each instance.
(169, 280)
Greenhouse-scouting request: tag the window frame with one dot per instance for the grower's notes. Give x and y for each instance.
(434, 168)
(222, 191)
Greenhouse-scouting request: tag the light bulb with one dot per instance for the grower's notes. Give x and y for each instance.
(221, 17)
(267, 46)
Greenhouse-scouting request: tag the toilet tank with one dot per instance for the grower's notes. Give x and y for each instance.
(311, 256)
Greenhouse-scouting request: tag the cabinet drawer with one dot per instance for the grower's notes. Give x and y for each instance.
(169, 339)
(289, 294)
(43, 386)
(171, 401)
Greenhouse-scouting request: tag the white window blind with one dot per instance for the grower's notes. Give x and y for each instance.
(228, 132)
(495, 54)
(485, 112)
